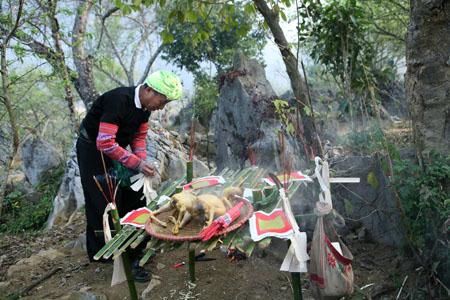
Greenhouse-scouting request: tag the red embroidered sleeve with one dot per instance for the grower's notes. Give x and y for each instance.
(106, 142)
(138, 144)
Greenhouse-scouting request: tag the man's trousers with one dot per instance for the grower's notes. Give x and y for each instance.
(90, 164)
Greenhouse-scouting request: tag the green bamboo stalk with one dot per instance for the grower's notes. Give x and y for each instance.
(189, 171)
(257, 196)
(120, 241)
(191, 251)
(296, 286)
(138, 240)
(124, 247)
(264, 243)
(125, 259)
(111, 243)
(146, 257)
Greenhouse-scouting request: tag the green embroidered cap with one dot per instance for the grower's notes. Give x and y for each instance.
(166, 83)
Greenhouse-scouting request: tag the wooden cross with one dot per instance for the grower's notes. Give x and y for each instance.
(325, 180)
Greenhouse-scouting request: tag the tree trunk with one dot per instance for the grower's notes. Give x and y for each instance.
(6, 99)
(271, 16)
(83, 64)
(428, 75)
(62, 67)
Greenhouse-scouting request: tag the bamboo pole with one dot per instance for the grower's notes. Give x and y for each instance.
(125, 258)
(191, 250)
(296, 283)
(296, 286)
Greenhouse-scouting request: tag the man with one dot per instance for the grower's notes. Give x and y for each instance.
(117, 119)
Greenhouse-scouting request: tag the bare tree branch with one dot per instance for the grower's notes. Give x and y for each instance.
(98, 67)
(16, 24)
(150, 63)
(104, 17)
(387, 33)
(119, 58)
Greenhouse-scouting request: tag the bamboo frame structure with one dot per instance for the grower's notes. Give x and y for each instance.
(264, 198)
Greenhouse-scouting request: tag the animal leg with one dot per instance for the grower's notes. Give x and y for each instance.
(163, 224)
(176, 228)
(164, 208)
(210, 217)
(186, 218)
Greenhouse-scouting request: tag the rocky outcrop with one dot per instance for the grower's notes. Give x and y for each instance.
(244, 125)
(32, 262)
(370, 203)
(70, 193)
(38, 157)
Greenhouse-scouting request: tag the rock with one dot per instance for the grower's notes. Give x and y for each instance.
(43, 257)
(79, 244)
(84, 295)
(18, 183)
(244, 125)
(371, 201)
(2, 258)
(38, 157)
(70, 195)
(169, 115)
(363, 235)
(4, 286)
(153, 283)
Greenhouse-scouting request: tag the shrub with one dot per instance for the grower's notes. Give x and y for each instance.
(425, 196)
(20, 215)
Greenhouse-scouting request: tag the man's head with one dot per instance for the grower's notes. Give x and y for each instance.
(160, 88)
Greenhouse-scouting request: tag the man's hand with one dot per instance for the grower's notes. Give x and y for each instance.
(146, 168)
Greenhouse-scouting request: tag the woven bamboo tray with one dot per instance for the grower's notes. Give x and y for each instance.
(192, 230)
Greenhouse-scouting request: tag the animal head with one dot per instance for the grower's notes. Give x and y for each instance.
(185, 198)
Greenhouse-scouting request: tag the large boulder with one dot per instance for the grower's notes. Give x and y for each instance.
(164, 148)
(245, 126)
(70, 195)
(38, 157)
(371, 203)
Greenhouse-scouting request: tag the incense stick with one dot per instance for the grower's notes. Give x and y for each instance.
(109, 184)
(100, 188)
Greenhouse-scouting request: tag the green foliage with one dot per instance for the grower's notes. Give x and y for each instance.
(196, 34)
(425, 196)
(368, 140)
(373, 180)
(338, 38)
(358, 42)
(205, 98)
(283, 111)
(21, 215)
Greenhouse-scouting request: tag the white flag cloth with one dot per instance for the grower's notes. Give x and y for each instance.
(118, 272)
(141, 181)
(298, 255)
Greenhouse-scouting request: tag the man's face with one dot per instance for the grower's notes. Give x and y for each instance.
(153, 100)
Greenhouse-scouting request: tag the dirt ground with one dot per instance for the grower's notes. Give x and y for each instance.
(257, 277)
